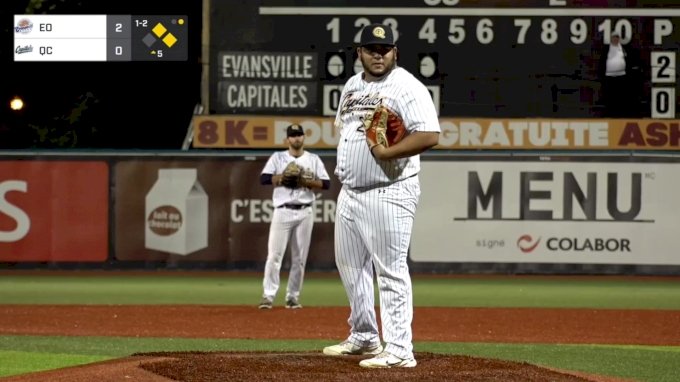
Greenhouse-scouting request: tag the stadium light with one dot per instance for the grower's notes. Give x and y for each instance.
(16, 104)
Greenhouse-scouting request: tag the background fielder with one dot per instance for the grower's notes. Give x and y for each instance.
(293, 217)
(377, 203)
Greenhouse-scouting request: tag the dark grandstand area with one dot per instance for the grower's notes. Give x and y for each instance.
(99, 105)
(554, 71)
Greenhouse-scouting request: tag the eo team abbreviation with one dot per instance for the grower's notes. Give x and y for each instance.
(45, 50)
(46, 27)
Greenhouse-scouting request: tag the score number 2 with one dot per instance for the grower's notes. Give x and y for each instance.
(334, 28)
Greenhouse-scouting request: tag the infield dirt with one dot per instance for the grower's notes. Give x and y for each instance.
(512, 325)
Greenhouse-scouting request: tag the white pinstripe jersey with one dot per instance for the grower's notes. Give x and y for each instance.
(313, 169)
(406, 96)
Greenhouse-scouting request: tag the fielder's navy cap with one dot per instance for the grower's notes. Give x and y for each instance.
(294, 130)
(377, 34)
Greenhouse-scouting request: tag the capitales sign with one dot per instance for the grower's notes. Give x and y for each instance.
(229, 131)
(532, 190)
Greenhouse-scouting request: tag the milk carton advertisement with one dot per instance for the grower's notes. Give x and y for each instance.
(177, 213)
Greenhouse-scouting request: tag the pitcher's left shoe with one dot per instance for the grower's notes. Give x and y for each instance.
(386, 360)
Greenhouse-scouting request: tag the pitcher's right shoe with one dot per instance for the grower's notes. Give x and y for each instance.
(348, 348)
(266, 303)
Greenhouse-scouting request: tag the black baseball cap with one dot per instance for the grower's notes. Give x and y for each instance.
(377, 34)
(294, 130)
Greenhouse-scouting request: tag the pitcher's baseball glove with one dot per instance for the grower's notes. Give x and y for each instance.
(291, 176)
(384, 127)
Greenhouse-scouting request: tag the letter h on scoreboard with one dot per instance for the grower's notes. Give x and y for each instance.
(663, 72)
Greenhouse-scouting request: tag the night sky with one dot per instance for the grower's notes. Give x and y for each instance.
(129, 113)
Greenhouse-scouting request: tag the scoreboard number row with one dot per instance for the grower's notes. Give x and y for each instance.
(485, 34)
(458, 28)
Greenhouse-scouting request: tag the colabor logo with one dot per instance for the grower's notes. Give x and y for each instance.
(524, 243)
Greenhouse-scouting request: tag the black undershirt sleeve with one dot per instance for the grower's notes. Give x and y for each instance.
(266, 179)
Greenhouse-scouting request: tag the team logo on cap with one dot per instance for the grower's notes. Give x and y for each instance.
(295, 127)
(379, 32)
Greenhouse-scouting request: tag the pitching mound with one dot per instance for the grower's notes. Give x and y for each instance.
(303, 367)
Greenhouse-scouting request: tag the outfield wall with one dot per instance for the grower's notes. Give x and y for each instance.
(613, 213)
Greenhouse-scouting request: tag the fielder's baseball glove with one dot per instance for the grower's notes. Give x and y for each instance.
(384, 127)
(291, 176)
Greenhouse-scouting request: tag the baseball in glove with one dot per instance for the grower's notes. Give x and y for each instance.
(291, 176)
(384, 127)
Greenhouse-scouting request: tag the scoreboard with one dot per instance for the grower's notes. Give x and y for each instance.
(75, 38)
(479, 58)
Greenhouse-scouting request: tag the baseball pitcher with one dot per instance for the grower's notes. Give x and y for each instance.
(386, 119)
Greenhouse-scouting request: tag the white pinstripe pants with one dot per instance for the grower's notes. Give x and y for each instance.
(294, 226)
(373, 229)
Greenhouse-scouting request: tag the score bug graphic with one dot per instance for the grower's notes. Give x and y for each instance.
(162, 37)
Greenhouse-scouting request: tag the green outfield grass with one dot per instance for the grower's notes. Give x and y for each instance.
(447, 292)
(21, 354)
(20, 362)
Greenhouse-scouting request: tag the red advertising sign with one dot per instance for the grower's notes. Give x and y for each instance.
(53, 211)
